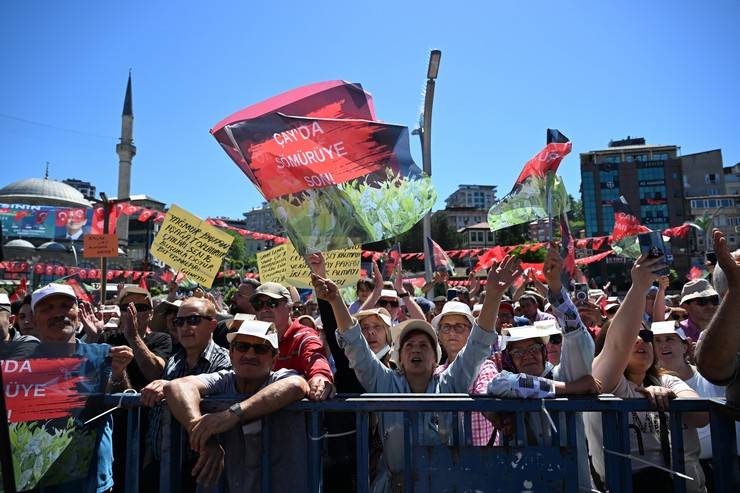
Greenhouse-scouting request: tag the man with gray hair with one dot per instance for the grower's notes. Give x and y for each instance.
(718, 349)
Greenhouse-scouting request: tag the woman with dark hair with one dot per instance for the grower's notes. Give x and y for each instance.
(672, 349)
(626, 367)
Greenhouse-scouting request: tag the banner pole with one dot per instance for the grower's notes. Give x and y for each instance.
(548, 192)
(6, 452)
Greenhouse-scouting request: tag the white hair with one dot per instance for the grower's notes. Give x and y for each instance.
(719, 279)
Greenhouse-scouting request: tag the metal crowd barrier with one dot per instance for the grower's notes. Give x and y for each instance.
(462, 467)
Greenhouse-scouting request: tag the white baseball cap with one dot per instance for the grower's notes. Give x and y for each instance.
(255, 328)
(4, 302)
(667, 327)
(541, 330)
(51, 290)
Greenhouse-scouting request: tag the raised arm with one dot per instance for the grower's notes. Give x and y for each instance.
(658, 314)
(718, 346)
(499, 278)
(413, 308)
(609, 365)
(150, 364)
(578, 346)
(372, 300)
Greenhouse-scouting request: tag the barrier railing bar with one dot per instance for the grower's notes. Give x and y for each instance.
(314, 452)
(362, 425)
(132, 450)
(677, 456)
(266, 470)
(571, 442)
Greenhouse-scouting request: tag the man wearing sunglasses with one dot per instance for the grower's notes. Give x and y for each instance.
(300, 347)
(151, 349)
(232, 439)
(700, 301)
(198, 354)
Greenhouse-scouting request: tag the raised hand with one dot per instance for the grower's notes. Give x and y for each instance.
(91, 322)
(325, 288)
(398, 281)
(553, 268)
(503, 275)
(317, 264)
(130, 323)
(729, 265)
(643, 271)
(120, 357)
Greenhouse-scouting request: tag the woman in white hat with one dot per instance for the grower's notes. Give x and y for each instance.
(527, 373)
(418, 357)
(671, 347)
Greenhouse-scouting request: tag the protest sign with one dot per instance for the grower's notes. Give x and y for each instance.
(53, 438)
(190, 245)
(332, 175)
(285, 265)
(100, 246)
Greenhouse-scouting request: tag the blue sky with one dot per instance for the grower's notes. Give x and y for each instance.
(597, 70)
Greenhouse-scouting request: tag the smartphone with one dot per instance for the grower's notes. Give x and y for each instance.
(652, 243)
(451, 294)
(581, 292)
(712, 257)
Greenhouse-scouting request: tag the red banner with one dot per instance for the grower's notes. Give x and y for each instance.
(40, 389)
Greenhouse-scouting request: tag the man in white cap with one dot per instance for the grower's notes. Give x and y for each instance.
(232, 439)
(55, 319)
(700, 300)
(300, 347)
(418, 357)
(13, 345)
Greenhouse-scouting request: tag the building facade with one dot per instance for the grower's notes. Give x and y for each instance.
(472, 196)
(87, 189)
(262, 220)
(647, 175)
(477, 236)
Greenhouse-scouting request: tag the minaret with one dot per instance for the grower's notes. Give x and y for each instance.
(126, 152)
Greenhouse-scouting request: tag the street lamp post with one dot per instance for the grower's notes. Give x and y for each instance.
(425, 135)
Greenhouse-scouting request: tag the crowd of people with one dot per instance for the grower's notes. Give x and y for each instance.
(513, 336)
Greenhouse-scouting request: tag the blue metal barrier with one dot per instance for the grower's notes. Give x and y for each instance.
(459, 467)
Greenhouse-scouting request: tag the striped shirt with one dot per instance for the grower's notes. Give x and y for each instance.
(214, 358)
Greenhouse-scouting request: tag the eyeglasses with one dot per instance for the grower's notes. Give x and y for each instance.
(243, 347)
(457, 328)
(372, 328)
(269, 303)
(646, 335)
(556, 339)
(531, 350)
(714, 300)
(140, 307)
(387, 303)
(190, 320)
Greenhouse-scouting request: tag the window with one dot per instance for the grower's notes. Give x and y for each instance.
(490, 236)
(711, 179)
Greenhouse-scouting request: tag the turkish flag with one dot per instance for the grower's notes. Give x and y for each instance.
(62, 217)
(41, 217)
(145, 215)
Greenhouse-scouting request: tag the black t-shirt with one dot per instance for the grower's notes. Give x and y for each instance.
(157, 342)
(219, 334)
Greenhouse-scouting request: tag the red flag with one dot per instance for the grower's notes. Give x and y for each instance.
(129, 209)
(495, 254)
(625, 222)
(142, 283)
(98, 222)
(548, 159)
(62, 217)
(41, 216)
(697, 272)
(440, 260)
(678, 231)
(145, 215)
(568, 250)
(20, 215)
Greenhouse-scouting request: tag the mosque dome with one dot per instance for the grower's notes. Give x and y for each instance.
(18, 243)
(42, 191)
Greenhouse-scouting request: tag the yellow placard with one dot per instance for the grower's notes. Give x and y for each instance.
(190, 245)
(284, 265)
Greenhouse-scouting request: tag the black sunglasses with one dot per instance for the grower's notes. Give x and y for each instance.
(140, 307)
(714, 300)
(556, 339)
(270, 303)
(244, 347)
(646, 335)
(190, 320)
(386, 303)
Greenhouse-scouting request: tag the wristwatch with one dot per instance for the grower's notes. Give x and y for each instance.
(236, 409)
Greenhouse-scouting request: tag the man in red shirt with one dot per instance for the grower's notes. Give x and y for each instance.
(300, 347)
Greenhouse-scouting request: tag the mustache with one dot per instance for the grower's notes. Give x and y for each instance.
(249, 361)
(60, 320)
